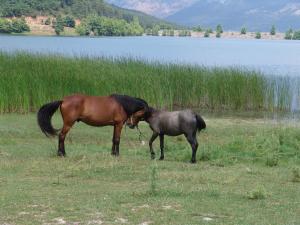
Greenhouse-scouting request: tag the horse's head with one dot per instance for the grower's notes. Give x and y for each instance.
(135, 118)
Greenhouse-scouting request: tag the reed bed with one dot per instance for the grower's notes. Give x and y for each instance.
(29, 80)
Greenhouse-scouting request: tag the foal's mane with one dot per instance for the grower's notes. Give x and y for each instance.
(130, 104)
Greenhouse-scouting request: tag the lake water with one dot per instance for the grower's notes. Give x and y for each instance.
(269, 56)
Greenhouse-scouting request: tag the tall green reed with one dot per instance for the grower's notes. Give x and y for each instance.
(29, 80)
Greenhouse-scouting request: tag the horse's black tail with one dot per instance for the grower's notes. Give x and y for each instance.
(200, 123)
(44, 116)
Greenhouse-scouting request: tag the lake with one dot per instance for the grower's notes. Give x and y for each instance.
(270, 56)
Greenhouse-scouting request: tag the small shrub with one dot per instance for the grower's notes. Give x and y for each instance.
(258, 35)
(206, 34)
(257, 193)
(244, 30)
(296, 174)
(218, 35)
(48, 21)
(272, 160)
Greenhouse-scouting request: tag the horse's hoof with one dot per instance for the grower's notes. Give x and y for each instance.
(161, 158)
(61, 154)
(193, 161)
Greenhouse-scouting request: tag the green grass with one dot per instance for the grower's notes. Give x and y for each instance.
(232, 186)
(28, 81)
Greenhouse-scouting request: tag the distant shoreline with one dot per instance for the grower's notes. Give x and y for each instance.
(38, 28)
(238, 35)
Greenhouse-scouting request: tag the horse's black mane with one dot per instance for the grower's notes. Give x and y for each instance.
(131, 104)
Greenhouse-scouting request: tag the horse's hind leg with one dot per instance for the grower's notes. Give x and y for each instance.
(161, 139)
(194, 144)
(154, 136)
(61, 140)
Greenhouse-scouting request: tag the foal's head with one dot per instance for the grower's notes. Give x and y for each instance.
(141, 115)
(135, 118)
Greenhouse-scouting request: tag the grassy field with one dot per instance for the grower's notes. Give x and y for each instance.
(28, 81)
(247, 173)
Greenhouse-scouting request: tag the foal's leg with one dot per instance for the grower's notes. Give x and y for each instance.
(194, 144)
(61, 139)
(161, 139)
(154, 136)
(116, 139)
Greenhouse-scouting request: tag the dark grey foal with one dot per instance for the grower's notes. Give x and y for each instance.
(173, 124)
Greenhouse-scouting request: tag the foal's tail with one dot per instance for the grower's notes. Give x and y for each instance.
(200, 123)
(44, 116)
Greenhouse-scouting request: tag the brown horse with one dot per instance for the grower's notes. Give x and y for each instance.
(113, 110)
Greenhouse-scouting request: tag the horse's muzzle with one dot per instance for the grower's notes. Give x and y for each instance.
(131, 126)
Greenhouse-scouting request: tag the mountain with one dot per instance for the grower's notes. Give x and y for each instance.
(77, 8)
(256, 15)
(158, 8)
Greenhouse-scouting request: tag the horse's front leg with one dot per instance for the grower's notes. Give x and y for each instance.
(116, 139)
(161, 139)
(154, 136)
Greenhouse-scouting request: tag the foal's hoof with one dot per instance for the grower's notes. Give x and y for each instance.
(193, 161)
(161, 158)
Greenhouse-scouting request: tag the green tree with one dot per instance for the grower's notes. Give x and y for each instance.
(58, 25)
(19, 25)
(155, 30)
(289, 35)
(296, 35)
(218, 34)
(273, 30)
(5, 26)
(209, 30)
(69, 21)
(82, 29)
(258, 35)
(244, 30)
(219, 29)
(198, 29)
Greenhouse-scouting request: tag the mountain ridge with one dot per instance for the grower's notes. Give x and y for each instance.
(234, 14)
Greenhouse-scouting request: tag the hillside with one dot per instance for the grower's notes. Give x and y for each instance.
(158, 8)
(77, 8)
(256, 15)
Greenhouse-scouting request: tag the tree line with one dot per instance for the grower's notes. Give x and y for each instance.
(104, 26)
